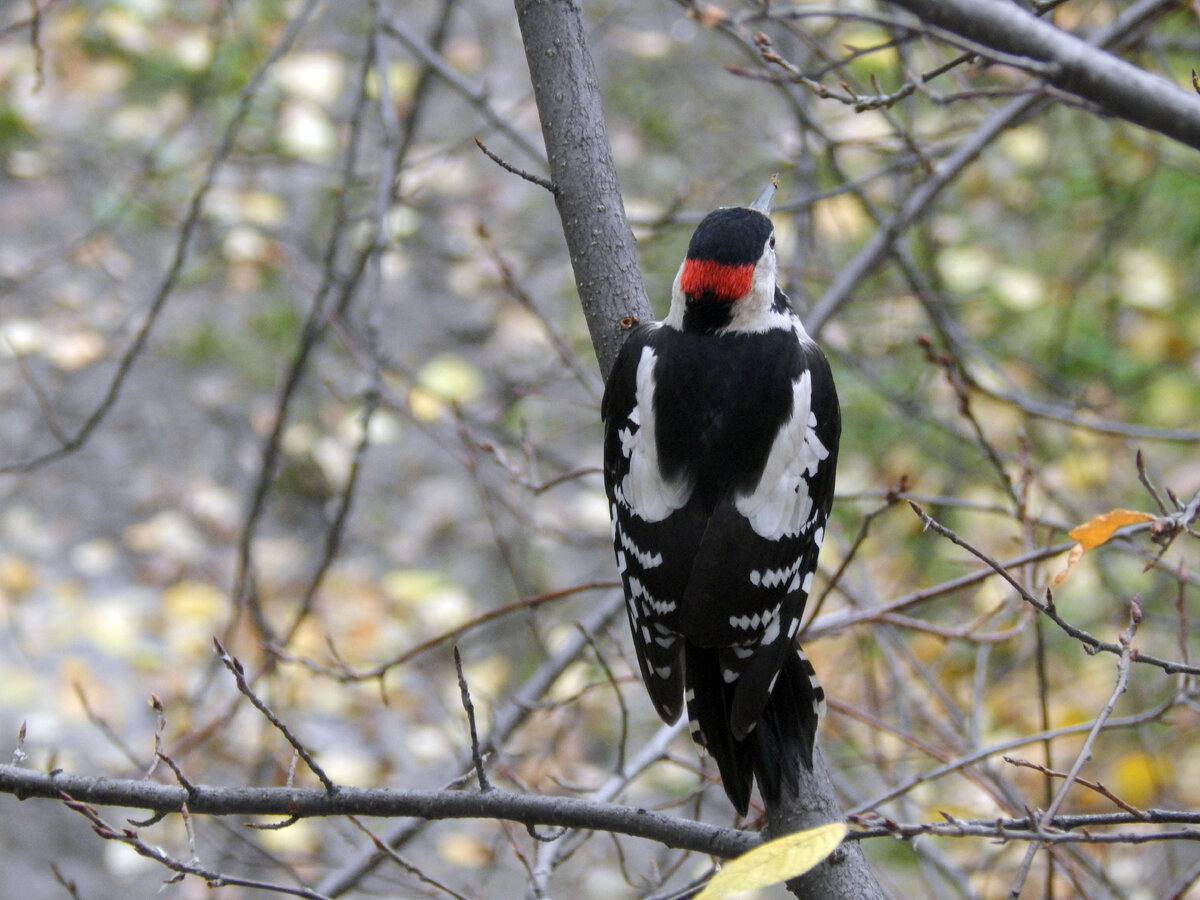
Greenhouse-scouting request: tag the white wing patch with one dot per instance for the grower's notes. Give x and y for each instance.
(767, 622)
(644, 558)
(781, 506)
(649, 605)
(648, 495)
(771, 578)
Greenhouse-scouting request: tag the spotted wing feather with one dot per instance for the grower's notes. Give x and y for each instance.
(651, 578)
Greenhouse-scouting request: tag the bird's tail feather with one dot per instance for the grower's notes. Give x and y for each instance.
(787, 731)
(782, 739)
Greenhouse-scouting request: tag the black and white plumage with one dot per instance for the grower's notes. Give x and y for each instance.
(721, 438)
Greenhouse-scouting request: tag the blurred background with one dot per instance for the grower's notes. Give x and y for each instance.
(286, 360)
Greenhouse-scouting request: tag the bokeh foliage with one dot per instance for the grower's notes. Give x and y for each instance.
(1035, 328)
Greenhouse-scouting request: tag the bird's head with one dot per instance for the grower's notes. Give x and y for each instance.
(727, 279)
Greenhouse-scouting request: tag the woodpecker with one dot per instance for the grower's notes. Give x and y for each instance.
(720, 444)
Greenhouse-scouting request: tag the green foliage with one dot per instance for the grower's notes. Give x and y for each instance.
(13, 130)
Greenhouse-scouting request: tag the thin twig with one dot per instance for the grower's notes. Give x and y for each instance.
(160, 727)
(623, 734)
(980, 754)
(239, 675)
(1085, 752)
(436, 63)
(1096, 786)
(245, 589)
(109, 732)
(476, 755)
(1144, 478)
(344, 672)
(395, 857)
(509, 167)
(179, 776)
(1091, 643)
(130, 838)
(67, 884)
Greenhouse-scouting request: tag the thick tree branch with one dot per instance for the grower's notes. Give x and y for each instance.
(843, 876)
(600, 241)
(1072, 64)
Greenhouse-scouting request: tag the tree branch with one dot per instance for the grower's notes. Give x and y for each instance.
(599, 239)
(527, 809)
(1073, 65)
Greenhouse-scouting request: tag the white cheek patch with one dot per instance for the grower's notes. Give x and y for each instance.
(755, 313)
(648, 494)
(781, 506)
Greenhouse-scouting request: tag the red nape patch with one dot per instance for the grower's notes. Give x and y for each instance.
(721, 280)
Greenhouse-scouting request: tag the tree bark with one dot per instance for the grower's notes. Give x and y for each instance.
(599, 239)
(845, 875)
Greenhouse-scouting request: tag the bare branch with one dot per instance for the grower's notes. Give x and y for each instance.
(1085, 752)
(1014, 112)
(170, 279)
(1091, 643)
(476, 756)
(509, 167)
(1076, 66)
(130, 838)
(370, 802)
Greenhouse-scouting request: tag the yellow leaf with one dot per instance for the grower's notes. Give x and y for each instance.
(425, 405)
(17, 577)
(443, 380)
(1136, 777)
(775, 861)
(1093, 533)
(465, 850)
(193, 600)
(451, 378)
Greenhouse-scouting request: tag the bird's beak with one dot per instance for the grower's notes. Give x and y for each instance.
(763, 202)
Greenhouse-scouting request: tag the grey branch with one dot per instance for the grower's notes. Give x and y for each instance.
(528, 809)
(1070, 63)
(599, 239)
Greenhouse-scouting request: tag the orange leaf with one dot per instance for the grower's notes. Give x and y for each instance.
(1094, 532)
(1073, 556)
